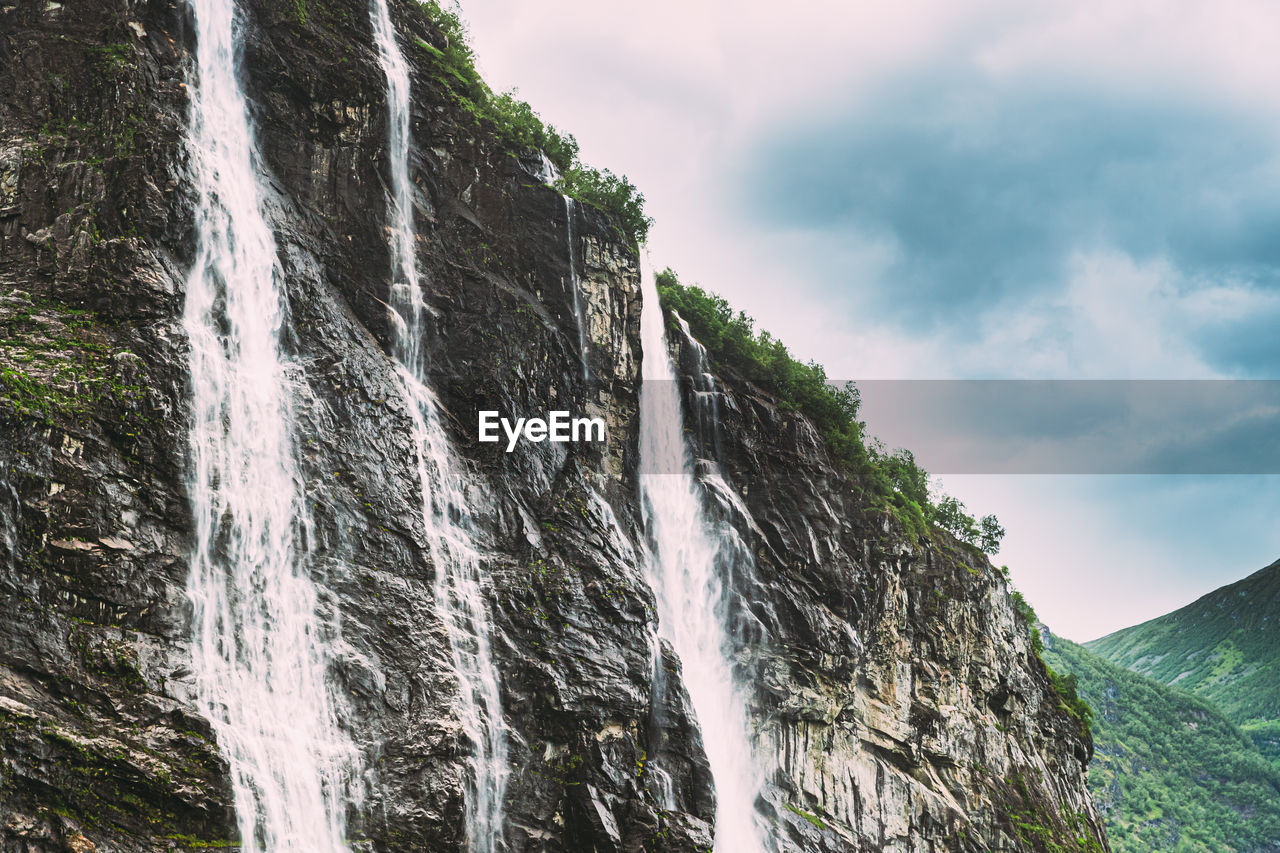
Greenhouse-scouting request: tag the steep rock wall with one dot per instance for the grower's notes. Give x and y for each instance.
(895, 694)
(100, 746)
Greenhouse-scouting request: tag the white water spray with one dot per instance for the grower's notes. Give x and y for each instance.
(406, 289)
(684, 551)
(258, 649)
(445, 513)
(576, 286)
(460, 600)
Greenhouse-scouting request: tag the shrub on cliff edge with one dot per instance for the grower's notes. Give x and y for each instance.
(891, 479)
(520, 127)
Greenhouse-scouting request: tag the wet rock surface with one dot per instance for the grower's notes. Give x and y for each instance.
(898, 701)
(897, 692)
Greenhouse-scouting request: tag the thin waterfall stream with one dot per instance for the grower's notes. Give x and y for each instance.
(446, 516)
(576, 285)
(686, 550)
(259, 649)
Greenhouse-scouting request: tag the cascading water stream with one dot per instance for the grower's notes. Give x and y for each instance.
(259, 649)
(705, 394)
(406, 290)
(576, 286)
(445, 514)
(685, 550)
(461, 603)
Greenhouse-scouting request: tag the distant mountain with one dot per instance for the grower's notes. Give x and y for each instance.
(1224, 646)
(1170, 773)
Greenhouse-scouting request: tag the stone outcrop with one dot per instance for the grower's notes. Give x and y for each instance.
(898, 697)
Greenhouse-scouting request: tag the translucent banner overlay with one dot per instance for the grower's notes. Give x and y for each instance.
(1062, 426)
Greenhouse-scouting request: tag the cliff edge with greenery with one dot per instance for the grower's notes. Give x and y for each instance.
(892, 480)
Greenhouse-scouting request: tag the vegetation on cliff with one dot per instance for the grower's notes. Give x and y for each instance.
(520, 127)
(1065, 684)
(1170, 772)
(892, 480)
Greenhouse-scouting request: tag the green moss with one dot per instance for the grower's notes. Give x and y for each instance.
(431, 51)
(55, 366)
(31, 397)
(1038, 827)
(115, 56)
(812, 818)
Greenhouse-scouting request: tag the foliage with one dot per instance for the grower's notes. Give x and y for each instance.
(1067, 687)
(610, 192)
(56, 366)
(1170, 772)
(986, 533)
(1040, 826)
(1027, 614)
(1064, 685)
(524, 128)
(818, 823)
(893, 480)
(520, 127)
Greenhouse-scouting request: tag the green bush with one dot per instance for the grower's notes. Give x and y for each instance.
(610, 192)
(761, 358)
(1066, 686)
(1024, 611)
(520, 127)
(891, 480)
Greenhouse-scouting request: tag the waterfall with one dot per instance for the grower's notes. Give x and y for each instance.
(406, 289)
(687, 552)
(576, 286)
(446, 516)
(258, 646)
(706, 396)
(460, 600)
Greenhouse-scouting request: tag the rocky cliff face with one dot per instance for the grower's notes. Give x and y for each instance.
(898, 700)
(897, 697)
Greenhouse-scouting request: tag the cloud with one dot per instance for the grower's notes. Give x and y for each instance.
(1079, 426)
(989, 191)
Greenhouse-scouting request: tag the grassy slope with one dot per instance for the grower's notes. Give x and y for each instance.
(1224, 646)
(1170, 772)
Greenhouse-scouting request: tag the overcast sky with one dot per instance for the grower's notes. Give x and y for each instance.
(943, 190)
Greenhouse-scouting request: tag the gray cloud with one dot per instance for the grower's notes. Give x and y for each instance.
(1248, 345)
(985, 189)
(1080, 426)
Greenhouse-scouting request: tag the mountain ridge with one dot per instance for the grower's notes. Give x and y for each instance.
(1224, 646)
